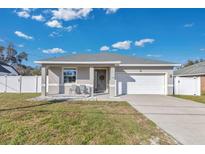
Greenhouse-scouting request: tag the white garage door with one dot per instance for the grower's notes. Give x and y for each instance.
(140, 83)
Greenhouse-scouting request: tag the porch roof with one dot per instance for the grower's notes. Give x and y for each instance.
(105, 58)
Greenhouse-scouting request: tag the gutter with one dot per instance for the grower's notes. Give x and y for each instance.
(190, 74)
(101, 62)
(77, 62)
(149, 64)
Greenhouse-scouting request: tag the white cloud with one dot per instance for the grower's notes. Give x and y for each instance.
(38, 17)
(70, 28)
(202, 49)
(54, 24)
(22, 35)
(155, 56)
(71, 13)
(189, 25)
(55, 34)
(104, 48)
(20, 45)
(88, 50)
(46, 11)
(26, 9)
(23, 13)
(59, 32)
(122, 45)
(142, 42)
(53, 50)
(111, 10)
(74, 52)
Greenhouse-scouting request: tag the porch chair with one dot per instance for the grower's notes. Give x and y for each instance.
(83, 89)
(73, 89)
(77, 90)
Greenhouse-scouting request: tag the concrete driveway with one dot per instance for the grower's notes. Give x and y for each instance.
(182, 119)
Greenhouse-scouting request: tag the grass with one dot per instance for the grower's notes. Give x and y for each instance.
(200, 99)
(82, 122)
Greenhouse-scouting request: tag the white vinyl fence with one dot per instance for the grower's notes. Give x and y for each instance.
(187, 86)
(20, 84)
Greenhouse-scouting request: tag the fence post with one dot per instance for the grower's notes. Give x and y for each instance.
(20, 82)
(5, 90)
(36, 84)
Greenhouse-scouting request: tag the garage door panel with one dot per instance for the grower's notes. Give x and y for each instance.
(141, 83)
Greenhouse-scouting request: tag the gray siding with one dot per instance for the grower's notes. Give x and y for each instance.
(57, 86)
(55, 80)
(83, 75)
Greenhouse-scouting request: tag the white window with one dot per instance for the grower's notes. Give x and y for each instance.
(69, 75)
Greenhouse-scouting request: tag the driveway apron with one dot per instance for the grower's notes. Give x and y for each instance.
(182, 119)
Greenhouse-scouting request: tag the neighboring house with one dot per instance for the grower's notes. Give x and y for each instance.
(190, 80)
(107, 73)
(6, 69)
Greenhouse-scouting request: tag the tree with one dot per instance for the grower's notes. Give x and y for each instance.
(11, 56)
(28, 70)
(192, 62)
(22, 56)
(188, 63)
(1, 53)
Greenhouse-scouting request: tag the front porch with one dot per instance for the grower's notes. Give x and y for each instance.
(82, 81)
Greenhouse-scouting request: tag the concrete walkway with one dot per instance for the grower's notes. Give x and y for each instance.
(183, 119)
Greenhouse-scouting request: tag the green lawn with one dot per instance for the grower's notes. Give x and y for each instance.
(26, 122)
(200, 99)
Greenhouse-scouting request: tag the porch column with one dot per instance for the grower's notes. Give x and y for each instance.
(91, 74)
(112, 82)
(43, 80)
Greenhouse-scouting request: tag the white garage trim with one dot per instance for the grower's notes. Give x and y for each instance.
(166, 83)
(148, 73)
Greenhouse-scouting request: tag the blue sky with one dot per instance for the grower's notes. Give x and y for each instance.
(169, 34)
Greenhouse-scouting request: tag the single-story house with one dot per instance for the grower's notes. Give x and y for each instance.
(6, 69)
(110, 73)
(191, 79)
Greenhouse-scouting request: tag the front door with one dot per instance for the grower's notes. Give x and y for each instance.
(100, 81)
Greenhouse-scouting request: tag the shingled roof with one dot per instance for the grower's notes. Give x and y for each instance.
(6, 69)
(196, 69)
(3, 70)
(104, 57)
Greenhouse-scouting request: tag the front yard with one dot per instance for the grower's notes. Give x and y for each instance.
(26, 122)
(200, 99)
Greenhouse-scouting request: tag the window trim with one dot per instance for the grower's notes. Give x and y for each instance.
(67, 83)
